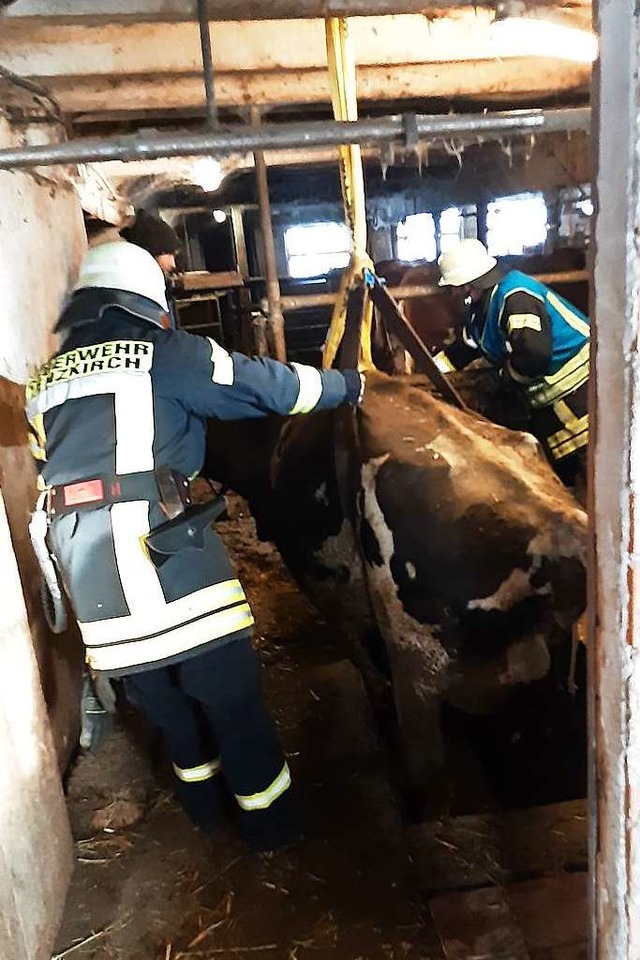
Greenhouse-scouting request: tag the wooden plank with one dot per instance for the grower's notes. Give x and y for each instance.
(478, 925)
(570, 951)
(463, 852)
(545, 840)
(543, 919)
(457, 853)
(203, 280)
(553, 912)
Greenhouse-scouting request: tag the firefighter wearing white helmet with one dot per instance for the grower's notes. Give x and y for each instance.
(123, 266)
(118, 421)
(538, 341)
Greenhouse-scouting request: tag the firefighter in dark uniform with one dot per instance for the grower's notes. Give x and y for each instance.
(538, 341)
(118, 419)
(155, 235)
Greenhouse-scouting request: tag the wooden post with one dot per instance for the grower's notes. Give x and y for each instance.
(615, 467)
(240, 242)
(276, 318)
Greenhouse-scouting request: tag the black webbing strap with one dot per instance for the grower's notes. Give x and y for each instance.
(94, 492)
(398, 324)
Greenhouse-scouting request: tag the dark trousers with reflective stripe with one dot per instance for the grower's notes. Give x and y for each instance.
(565, 440)
(209, 708)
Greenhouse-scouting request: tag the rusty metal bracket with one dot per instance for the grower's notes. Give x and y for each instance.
(411, 134)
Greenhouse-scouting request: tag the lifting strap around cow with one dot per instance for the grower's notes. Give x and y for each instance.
(342, 73)
(361, 289)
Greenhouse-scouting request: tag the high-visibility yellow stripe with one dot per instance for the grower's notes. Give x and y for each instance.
(36, 451)
(120, 656)
(162, 617)
(568, 315)
(126, 356)
(205, 771)
(576, 362)
(505, 301)
(565, 414)
(443, 363)
(570, 444)
(563, 436)
(310, 388)
(524, 321)
(38, 437)
(264, 799)
(574, 372)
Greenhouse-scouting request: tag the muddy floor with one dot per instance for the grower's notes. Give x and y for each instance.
(148, 886)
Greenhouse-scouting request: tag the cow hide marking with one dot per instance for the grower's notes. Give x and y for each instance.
(511, 591)
(397, 626)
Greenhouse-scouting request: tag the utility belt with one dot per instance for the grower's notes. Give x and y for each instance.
(186, 525)
(164, 486)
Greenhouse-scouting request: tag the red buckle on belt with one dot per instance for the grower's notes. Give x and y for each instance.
(86, 491)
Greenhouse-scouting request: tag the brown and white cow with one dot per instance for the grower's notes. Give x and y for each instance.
(440, 545)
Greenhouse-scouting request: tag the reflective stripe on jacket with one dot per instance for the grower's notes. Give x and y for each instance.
(568, 364)
(123, 396)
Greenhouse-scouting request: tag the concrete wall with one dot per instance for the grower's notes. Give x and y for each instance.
(42, 240)
(35, 841)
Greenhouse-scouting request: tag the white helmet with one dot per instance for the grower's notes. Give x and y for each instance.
(123, 266)
(464, 263)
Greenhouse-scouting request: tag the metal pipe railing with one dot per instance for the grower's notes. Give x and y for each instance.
(207, 65)
(287, 136)
(274, 311)
(410, 291)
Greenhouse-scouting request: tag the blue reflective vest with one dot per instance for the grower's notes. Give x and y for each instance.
(569, 364)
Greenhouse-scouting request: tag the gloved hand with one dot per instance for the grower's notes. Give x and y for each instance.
(356, 383)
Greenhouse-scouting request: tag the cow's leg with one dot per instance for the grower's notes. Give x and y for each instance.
(419, 729)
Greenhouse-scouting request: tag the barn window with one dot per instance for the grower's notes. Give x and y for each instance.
(314, 249)
(516, 225)
(416, 238)
(451, 228)
(575, 209)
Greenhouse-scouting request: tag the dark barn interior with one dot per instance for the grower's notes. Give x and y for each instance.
(462, 746)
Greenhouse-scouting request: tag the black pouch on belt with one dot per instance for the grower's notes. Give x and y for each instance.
(185, 531)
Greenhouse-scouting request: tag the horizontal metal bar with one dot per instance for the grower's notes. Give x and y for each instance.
(283, 136)
(409, 292)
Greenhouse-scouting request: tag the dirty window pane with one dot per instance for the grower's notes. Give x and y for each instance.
(517, 224)
(314, 249)
(451, 228)
(575, 212)
(416, 238)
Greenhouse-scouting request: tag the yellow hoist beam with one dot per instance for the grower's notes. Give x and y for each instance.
(342, 74)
